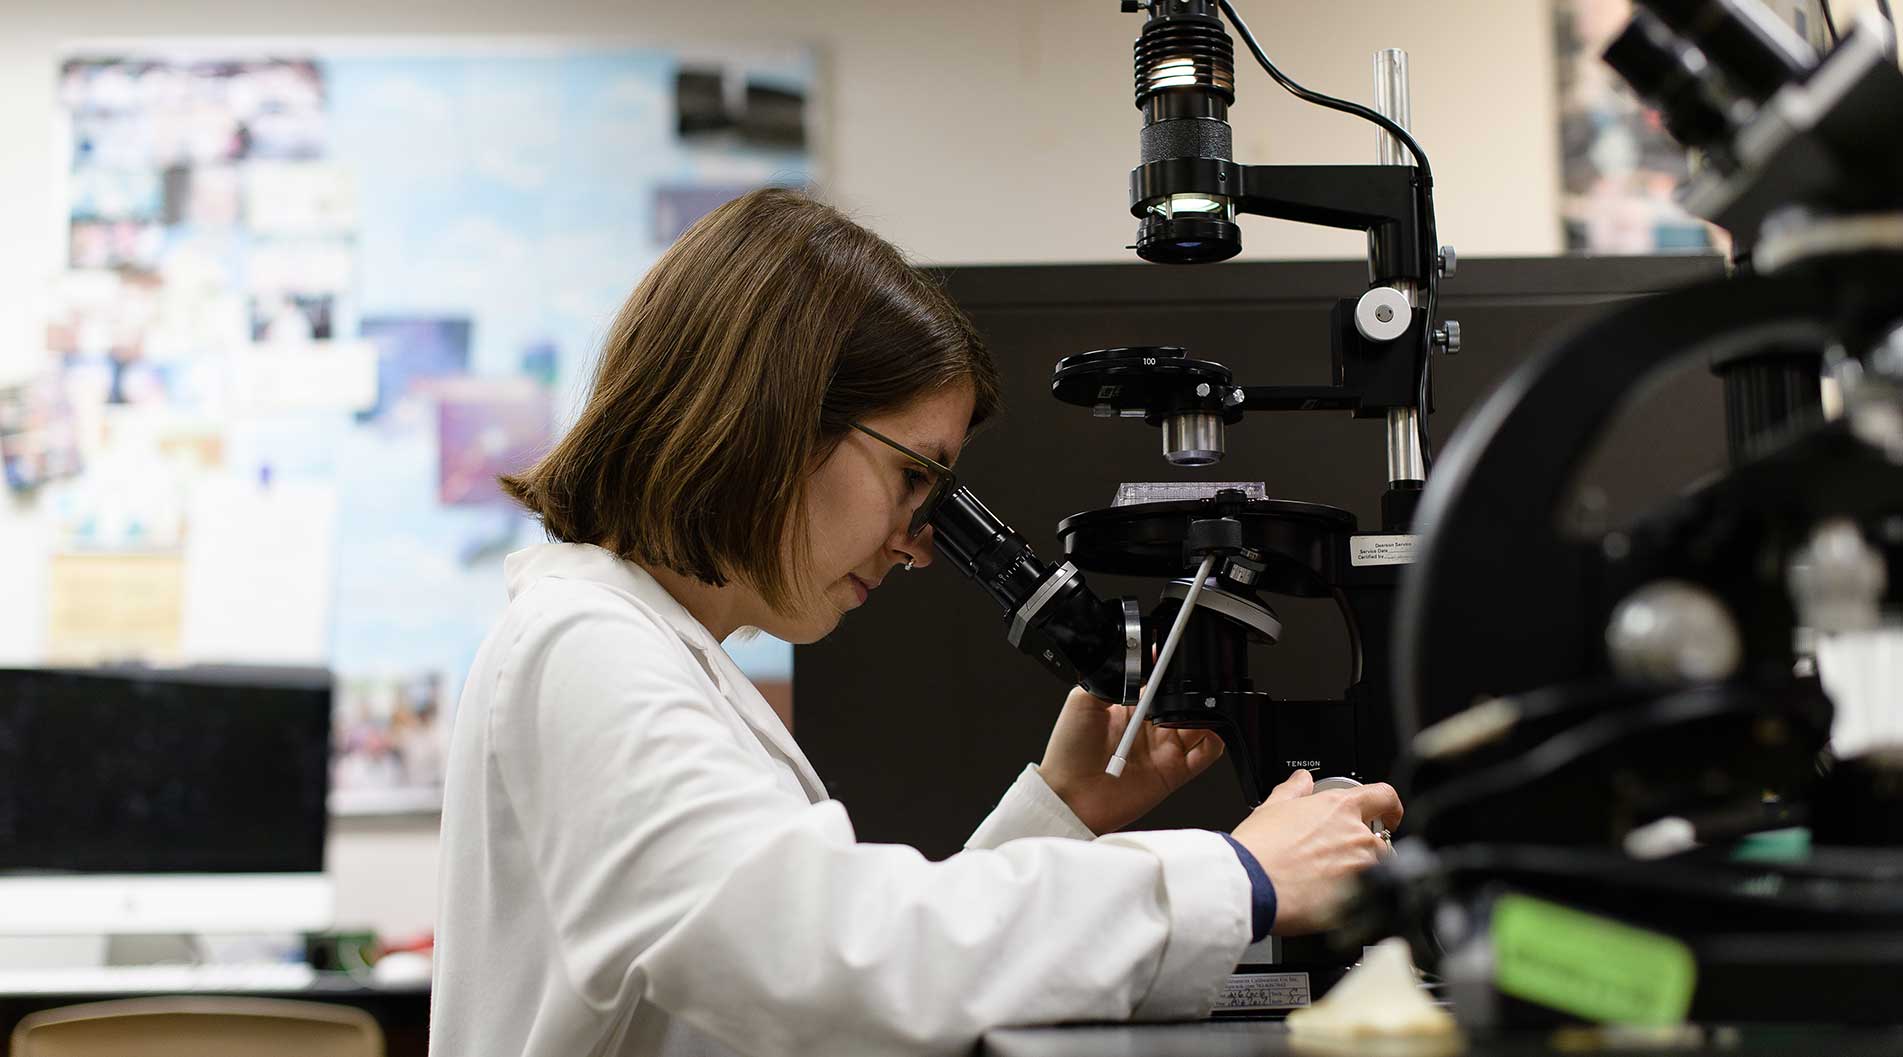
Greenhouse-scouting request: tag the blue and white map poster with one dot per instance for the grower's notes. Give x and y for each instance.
(341, 288)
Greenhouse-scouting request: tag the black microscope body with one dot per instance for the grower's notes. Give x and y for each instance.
(1187, 193)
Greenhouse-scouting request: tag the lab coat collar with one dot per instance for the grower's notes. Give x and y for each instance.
(585, 561)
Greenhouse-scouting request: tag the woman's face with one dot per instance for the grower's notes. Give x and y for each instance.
(861, 501)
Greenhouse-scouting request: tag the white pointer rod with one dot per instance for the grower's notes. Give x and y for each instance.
(1162, 664)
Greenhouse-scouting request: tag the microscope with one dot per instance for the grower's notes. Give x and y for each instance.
(1676, 796)
(1222, 551)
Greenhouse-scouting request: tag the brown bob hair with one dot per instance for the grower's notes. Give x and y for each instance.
(731, 373)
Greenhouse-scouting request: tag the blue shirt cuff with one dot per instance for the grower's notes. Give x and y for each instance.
(1262, 891)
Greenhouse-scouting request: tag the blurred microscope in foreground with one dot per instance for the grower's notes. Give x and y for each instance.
(1655, 771)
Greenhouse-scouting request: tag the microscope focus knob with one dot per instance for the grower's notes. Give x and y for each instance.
(1673, 631)
(1449, 262)
(1383, 314)
(1449, 337)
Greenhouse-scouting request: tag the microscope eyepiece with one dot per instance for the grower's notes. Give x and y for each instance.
(1052, 615)
(1669, 73)
(1756, 53)
(1185, 81)
(986, 549)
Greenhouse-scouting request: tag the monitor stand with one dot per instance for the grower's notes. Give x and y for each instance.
(93, 950)
(73, 951)
(162, 948)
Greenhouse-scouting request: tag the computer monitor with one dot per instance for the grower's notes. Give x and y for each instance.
(186, 800)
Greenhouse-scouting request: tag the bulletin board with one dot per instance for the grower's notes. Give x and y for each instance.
(313, 301)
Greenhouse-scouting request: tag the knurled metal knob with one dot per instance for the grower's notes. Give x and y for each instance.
(1450, 337)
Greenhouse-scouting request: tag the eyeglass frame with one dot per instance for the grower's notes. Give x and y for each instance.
(944, 483)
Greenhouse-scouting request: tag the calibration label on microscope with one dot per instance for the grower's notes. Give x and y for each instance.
(1381, 550)
(1264, 991)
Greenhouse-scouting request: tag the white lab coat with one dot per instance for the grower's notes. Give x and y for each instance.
(638, 859)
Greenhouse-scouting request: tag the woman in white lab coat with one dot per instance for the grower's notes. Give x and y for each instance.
(637, 858)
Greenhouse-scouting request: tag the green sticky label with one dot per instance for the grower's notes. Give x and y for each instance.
(1774, 845)
(1591, 967)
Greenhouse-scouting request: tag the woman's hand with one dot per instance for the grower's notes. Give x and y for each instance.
(1313, 844)
(1161, 761)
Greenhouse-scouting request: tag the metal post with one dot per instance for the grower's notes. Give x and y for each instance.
(1391, 100)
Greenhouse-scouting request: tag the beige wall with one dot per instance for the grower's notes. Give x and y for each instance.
(967, 131)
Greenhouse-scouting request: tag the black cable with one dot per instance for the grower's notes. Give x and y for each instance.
(1430, 231)
(1830, 24)
(1869, 900)
(1329, 101)
(1427, 355)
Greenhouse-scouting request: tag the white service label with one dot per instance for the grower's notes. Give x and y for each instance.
(1264, 991)
(1381, 550)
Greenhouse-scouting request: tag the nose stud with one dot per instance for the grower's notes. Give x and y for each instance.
(908, 564)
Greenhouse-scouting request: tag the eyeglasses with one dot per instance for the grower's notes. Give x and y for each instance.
(943, 484)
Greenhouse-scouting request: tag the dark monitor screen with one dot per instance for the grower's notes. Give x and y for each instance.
(147, 771)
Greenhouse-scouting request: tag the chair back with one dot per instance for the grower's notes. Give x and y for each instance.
(199, 1026)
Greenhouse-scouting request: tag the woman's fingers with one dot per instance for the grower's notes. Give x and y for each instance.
(1205, 752)
(1295, 786)
(1082, 698)
(1379, 802)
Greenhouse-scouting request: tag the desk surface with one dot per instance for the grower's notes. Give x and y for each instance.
(1261, 1038)
(1215, 1038)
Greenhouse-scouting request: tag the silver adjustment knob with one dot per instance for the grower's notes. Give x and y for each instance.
(1448, 337)
(1383, 314)
(1673, 631)
(1838, 580)
(1449, 262)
